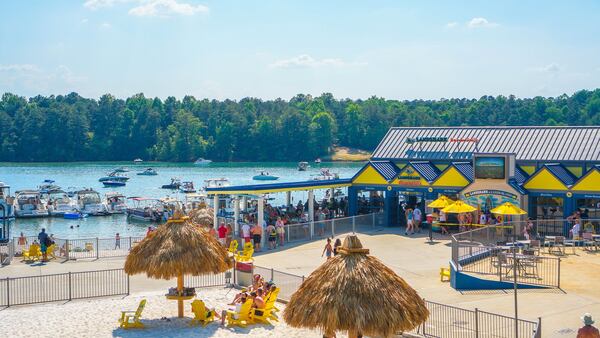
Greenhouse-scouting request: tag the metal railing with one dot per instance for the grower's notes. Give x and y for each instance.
(7, 253)
(286, 282)
(450, 321)
(63, 287)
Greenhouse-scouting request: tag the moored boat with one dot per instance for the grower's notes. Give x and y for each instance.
(138, 160)
(187, 187)
(114, 176)
(148, 172)
(145, 209)
(6, 201)
(121, 170)
(28, 203)
(114, 183)
(302, 166)
(265, 176)
(115, 202)
(201, 162)
(174, 185)
(89, 202)
(318, 161)
(59, 202)
(325, 174)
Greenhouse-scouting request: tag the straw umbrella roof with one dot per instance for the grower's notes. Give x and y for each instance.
(175, 248)
(203, 216)
(355, 292)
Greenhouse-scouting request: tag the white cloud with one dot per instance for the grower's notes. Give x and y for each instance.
(96, 4)
(452, 24)
(19, 68)
(551, 68)
(166, 8)
(307, 61)
(481, 23)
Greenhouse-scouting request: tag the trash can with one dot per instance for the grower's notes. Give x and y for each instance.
(243, 273)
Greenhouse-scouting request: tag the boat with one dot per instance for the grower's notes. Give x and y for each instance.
(28, 203)
(114, 183)
(89, 202)
(264, 176)
(59, 202)
(225, 205)
(114, 176)
(46, 186)
(74, 215)
(318, 161)
(174, 185)
(302, 166)
(187, 187)
(138, 160)
(6, 201)
(145, 209)
(115, 202)
(121, 170)
(216, 183)
(201, 161)
(325, 175)
(148, 172)
(194, 201)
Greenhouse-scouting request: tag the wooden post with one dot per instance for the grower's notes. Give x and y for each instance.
(180, 294)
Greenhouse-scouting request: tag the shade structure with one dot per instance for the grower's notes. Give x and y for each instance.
(203, 216)
(177, 248)
(508, 208)
(442, 202)
(458, 207)
(357, 293)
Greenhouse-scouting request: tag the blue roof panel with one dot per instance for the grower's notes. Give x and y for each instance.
(465, 168)
(426, 169)
(387, 169)
(562, 173)
(520, 175)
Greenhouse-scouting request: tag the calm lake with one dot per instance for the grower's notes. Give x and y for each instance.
(85, 175)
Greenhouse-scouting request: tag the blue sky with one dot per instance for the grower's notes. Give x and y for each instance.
(269, 49)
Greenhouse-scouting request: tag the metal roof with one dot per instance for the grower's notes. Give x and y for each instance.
(562, 173)
(520, 175)
(387, 169)
(426, 169)
(465, 168)
(581, 143)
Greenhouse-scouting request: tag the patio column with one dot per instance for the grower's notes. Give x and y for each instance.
(215, 211)
(261, 217)
(352, 201)
(311, 212)
(331, 194)
(244, 203)
(288, 198)
(236, 215)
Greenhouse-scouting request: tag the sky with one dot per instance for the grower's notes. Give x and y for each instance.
(270, 49)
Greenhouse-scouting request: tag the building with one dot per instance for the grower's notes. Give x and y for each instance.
(548, 171)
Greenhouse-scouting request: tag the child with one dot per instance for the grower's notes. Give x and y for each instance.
(327, 250)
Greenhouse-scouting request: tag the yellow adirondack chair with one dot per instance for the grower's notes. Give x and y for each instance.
(233, 247)
(131, 319)
(267, 313)
(34, 252)
(243, 318)
(246, 253)
(202, 315)
(50, 251)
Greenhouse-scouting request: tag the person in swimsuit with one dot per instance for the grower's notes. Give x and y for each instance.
(328, 250)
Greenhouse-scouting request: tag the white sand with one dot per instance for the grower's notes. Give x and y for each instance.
(99, 318)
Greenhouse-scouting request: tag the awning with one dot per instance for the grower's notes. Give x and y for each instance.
(256, 189)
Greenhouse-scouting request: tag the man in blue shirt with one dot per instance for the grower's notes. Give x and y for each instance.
(43, 238)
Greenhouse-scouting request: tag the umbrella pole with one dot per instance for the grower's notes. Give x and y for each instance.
(180, 292)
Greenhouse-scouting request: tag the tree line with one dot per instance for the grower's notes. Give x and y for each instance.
(74, 128)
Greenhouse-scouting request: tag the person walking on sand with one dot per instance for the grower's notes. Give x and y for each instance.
(409, 221)
(588, 330)
(22, 242)
(117, 241)
(327, 250)
(417, 217)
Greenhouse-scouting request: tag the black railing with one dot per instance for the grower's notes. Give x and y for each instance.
(63, 287)
(288, 283)
(454, 322)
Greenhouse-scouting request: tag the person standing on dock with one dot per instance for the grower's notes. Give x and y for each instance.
(43, 238)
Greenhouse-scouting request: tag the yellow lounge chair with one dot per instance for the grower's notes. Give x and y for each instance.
(265, 314)
(243, 318)
(233, 247)
(202, 315)
(246, 253)
(445, 274)
(131, 319)
(34, 252)
(50, 251)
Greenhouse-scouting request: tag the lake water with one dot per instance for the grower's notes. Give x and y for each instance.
(85, 175)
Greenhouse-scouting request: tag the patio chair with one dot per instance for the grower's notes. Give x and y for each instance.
(202, 315)
(263, 315)
(588, 241)
(504, 264)
(233, 247)
(557, 246)
(34, 253)
(246, 253)
(243, 318)
(131, 319)
(536, 246)
(569, 243)
(528, 265)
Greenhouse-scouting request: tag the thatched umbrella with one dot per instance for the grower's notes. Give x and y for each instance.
(355, 292)
(177, 248)
(203, 216)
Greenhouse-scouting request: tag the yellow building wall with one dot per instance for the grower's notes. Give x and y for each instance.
(370, 176)
(410, 172)
(590, 182)
(442, 167)
(577, 171)
(451, 178)
(544, 180)
(529, 169)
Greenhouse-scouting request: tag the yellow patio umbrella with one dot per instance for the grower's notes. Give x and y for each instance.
(458, 207)
(508, 208)
(442, 202)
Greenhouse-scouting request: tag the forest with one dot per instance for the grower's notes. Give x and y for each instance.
(74, 128)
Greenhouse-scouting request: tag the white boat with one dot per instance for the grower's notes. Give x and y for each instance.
(325, 175)
(194, 201)
(264, 176)
(187, 187)
(28, 203)
(6, 201)
(202, 161)
(148, 172)
(115, 202)
(138, 160)
(145, 209)
(216, 183)
(89, 202)
(59, 202)
(318, 161)
(302, 166)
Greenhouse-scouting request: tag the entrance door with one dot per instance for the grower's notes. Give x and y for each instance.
(411, 200)
(549, 212)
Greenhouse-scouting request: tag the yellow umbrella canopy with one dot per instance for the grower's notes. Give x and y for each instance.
(458, 207)
(442, 202)
(177, 248)
(508, 208)
(355, 292)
